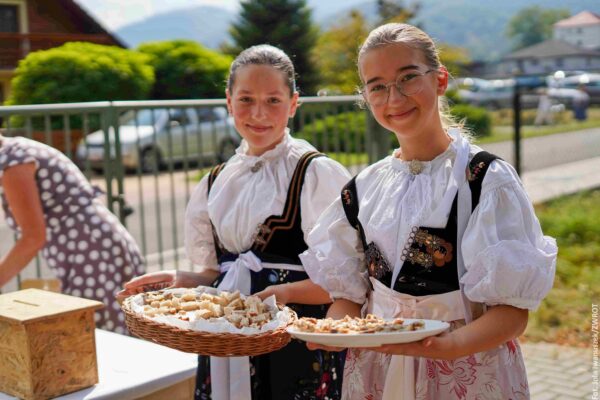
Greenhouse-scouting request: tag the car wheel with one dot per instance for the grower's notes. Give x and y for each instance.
(150, 160)
(227, 150)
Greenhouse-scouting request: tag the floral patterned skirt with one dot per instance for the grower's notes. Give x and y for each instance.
(496, 374)
(294, 372)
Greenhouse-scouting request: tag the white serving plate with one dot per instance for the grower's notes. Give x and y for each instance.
(431, 328)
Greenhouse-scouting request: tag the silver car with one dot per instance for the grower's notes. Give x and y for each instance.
(151, 139)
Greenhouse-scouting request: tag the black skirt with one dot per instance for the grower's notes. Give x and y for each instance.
(294, 372)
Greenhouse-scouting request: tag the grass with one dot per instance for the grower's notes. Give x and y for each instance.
(564, 316)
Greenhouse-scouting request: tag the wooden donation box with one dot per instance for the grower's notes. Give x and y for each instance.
(47, 344)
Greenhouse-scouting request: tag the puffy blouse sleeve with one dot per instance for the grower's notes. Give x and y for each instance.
(198, 236)
(323, 183)
(508, 259)
(335, 258)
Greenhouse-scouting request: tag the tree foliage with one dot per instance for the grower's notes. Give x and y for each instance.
(454, 58)
(396, 11)
(336, 52)
(282, 23)
(186, 70)
(533, 25)
(79, 72)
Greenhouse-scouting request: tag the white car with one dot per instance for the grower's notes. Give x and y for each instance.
(151, 139)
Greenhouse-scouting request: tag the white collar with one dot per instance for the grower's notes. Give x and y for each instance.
(278, 151)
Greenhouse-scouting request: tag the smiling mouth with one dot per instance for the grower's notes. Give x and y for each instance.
(258, 128)
(400, 115)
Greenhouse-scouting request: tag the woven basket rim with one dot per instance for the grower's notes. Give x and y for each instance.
(161, 326)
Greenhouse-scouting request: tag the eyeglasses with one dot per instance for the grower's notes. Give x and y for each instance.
(407, 85)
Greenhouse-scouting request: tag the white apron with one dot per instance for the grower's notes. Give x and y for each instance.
(495, 374)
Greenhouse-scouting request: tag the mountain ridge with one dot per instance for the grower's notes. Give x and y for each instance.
(479, 26)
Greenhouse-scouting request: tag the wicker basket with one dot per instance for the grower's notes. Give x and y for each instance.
(223, 344)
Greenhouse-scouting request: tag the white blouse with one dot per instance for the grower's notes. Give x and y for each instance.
(241, 199)
(507, 258)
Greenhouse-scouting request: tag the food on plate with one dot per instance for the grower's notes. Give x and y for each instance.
(354, 325)
(190, 305)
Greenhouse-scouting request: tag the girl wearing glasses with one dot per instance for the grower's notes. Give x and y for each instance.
(438, 230)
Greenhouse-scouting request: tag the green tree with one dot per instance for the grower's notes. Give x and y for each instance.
(186, 70)
(396, 11)
(336, 52)
(533, 25)
(454, 58)
(282, 23)
(78, 72)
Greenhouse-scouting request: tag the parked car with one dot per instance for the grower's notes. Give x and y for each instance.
(590, 81)
(493, 94)
(152, 139)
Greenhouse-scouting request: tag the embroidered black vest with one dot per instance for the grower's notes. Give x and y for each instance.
(430, 253)
(279, 239)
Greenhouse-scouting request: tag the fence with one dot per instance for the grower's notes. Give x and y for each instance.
(148, 155)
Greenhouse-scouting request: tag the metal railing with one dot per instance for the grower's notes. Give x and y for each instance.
(112, 144)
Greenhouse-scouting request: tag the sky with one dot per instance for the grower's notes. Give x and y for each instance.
(113, 14)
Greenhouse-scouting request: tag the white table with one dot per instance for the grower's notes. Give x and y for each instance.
(129, 368)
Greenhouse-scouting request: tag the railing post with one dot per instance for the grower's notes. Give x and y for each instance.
(117, 165)
(517, 126)
(377, 140)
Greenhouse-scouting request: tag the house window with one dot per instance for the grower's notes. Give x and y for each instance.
(9, 18)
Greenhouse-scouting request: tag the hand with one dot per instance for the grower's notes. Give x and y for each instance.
(152, 281)
(441, 347)
(280, 292)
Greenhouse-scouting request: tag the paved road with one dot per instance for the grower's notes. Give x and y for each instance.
(549, 151)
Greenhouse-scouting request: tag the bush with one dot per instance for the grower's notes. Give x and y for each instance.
(80, 72)
(186, 70)
(476, 119)
(345, 131)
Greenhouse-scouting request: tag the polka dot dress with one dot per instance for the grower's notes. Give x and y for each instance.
(87, 247)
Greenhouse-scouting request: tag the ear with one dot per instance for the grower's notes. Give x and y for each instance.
(294, 105)
(228, 97)
(442, 80)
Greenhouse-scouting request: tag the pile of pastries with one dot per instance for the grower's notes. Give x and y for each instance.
(354, 325)
(190, 305)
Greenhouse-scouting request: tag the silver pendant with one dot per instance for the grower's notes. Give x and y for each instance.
(415, 167)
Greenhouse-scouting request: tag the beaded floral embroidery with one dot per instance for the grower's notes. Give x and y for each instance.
(438, 252)
(474, 170)
(376, 262)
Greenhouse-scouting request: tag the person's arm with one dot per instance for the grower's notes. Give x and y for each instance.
(338, 310)
(498, 325)
(24, 202)
(301, 292)
(168, 279)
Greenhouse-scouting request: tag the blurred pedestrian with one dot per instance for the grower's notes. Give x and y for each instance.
(543, 115)
(52, 207)
(581, 103)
